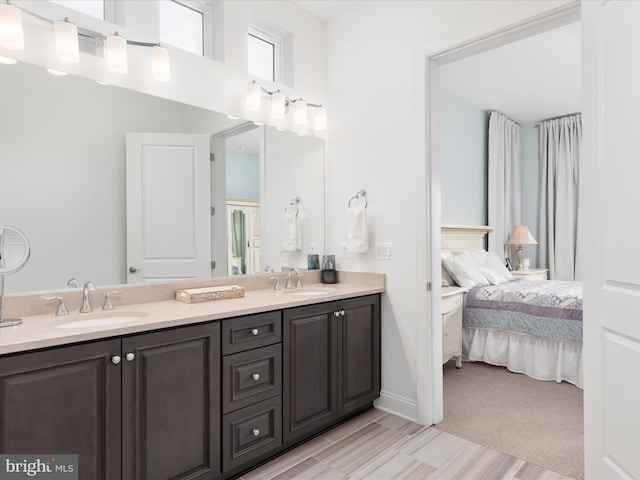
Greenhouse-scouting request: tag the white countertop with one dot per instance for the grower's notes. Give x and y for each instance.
(42, 331)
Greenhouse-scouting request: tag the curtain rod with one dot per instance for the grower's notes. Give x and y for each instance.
(556, 118)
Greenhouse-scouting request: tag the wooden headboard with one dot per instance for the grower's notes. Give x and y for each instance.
(463, 237)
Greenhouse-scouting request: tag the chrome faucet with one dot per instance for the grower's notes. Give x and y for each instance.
(298, 277)
(86, 304)
(289, 284)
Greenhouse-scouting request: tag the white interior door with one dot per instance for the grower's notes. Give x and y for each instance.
(609, 203)
(168, 207)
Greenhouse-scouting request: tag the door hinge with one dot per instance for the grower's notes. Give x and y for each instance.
(213, 210)
(213, 264)
(428, 286)
(212, 157)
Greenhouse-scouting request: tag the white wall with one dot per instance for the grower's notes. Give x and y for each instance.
(373, 53)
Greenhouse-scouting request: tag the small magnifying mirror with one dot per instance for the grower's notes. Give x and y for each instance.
(14, 254)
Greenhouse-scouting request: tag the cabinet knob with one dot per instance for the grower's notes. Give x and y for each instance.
(342, 313)
(256, 376)
(130, 356)
(255, 432)
(254, 331)
(336, 314)
(116, 359)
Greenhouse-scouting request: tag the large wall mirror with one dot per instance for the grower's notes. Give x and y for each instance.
(63, 150)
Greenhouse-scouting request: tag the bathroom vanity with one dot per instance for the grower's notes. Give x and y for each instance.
(191, 390)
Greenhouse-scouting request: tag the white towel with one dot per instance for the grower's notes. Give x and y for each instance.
(357, 237)
(292, 235)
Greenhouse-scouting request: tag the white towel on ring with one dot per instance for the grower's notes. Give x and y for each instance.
(292, 235)
(357, 236)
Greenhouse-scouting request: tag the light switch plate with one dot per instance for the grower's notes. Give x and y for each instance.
(384, 251)
(344, 249)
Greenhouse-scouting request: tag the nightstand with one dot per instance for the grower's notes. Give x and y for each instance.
(531, 274)
(452, 324)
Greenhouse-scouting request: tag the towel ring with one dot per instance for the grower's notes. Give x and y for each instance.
(295, 202)
(361, 194)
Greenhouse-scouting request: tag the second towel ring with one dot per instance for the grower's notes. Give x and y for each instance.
(362, 194)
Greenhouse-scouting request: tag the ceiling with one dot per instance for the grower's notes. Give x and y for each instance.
(529, 80)
(326, 9)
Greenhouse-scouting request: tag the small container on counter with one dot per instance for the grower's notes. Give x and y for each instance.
(313, 261)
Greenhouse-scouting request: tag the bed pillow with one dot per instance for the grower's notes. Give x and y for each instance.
(464, 271)
(445, 274)
(492, 267)
(495, 263)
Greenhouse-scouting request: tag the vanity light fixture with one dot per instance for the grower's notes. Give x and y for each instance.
(70, 39)
(11, 32)
(279, 104)
(67, 41)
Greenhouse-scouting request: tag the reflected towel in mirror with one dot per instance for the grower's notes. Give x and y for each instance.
(357, 237)
(292, 235)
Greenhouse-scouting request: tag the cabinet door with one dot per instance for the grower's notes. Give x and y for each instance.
(310, 370)
(171, 404)
(359, 353)
(64, 401)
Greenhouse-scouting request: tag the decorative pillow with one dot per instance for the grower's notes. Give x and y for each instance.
(465, 272)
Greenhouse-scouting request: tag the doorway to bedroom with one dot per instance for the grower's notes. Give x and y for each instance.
(528, 81)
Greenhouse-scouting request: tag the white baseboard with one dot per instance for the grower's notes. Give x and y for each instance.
(397, 405)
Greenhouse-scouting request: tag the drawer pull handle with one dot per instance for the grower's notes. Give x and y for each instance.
(336, 314)
(130, 356)
(254, 331)
(342, 312)
(256, 376)
(115, 359)
(255, 432)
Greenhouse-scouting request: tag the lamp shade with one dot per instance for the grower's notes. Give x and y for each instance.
(521, 236)
(254, 98)
(67, 41)
(320, 120)
(117, 53)
(278, 100)
(300, 112)
(11, 32)
(160, 67)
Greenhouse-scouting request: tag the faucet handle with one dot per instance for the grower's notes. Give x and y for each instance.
(62, 308)
(299, 281)
(73, 282)
(277, 285)
(107, 300)
(289, 284)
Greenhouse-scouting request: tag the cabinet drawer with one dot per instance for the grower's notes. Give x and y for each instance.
(451, 303)
(249, 377)
(251, 432)
(245, 333)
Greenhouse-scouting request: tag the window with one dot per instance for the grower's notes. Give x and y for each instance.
(182, 26)
(264, 55)
(95, 8)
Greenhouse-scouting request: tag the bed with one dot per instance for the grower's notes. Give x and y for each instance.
(532, 327)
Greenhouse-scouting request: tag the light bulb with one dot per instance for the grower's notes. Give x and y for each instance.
(67, 41)
(160, 67)
(117, 53)
(11, 32)
(300, 112)
(320, 120)
(254, 96)
(278, 100)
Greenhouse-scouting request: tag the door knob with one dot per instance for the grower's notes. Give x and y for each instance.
(134, 269)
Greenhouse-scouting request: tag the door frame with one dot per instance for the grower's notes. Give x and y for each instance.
(429, 388)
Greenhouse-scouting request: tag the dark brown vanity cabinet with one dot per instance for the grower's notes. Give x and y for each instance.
(140, 407)
(331, 363)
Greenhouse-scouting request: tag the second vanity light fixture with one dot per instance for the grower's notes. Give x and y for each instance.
(67, 36)
(280, 102)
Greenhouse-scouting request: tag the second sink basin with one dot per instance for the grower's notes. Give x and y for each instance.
(311, 291)
(102, 319)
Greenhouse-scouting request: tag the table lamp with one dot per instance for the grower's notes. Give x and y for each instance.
(521, 236)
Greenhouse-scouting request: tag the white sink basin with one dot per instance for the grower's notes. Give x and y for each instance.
(311, 291)
(102, 319)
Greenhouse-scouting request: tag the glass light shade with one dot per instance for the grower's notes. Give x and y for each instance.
(7, 60)
(67, 41)
(160, 67)
(11, 32)
(117, 53)
(320, 120)
(278, 100)
(254, 97)
(300, 112)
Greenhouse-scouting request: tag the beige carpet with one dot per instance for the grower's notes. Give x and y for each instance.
(540, 422)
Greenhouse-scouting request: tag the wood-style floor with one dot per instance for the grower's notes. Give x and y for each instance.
(380, 446)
